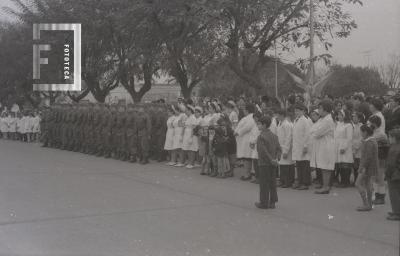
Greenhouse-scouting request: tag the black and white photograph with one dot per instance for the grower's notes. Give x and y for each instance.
(199, 127)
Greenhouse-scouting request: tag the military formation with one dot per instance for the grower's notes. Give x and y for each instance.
(133, 132)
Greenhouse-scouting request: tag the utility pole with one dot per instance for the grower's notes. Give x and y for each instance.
(311, 82)
(276, 72)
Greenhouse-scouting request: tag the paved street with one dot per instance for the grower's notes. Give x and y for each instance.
(54, 202)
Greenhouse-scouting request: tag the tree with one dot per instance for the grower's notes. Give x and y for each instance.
(98, 67)
(344, 81)
(136, 46)
(390, 72)
(254, 27)
(190, 34)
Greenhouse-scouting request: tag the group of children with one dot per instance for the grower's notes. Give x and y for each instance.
(335, 142)
(22, 126)
(202, 137)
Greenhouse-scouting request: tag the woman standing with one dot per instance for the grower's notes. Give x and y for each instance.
(190, 144)
(243, 135)
(344, 147)
(169, 137)
(323, 149)
(203, 140)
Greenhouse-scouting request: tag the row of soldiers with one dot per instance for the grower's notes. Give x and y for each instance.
(125, 132)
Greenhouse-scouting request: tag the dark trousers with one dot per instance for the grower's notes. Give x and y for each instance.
(303, 173)
(287, 175)
(394, 195)
(256, 168)
(355, 168)
(267, 179)
(318, 173)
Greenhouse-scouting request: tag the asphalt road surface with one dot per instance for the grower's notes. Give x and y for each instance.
(54, 202)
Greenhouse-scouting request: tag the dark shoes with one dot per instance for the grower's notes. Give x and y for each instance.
(322, 192)
(246, 178)
(379, 199)
(302, 187)
(263, 206)
(393, 217)
(364, 208)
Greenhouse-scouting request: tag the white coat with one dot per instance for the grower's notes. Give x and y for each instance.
(344, 141)
(357, 141)
(243, 130)
(36, 124)
(3, 125)
(301, 138)
(285, 134)
(178, 124)
(323, 148)
(255, 132)
(234, 118)
(190, 142)
(12, 124)
(274, 126)
(169, 137)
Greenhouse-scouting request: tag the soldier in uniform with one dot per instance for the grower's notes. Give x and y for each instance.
(143, 131)
(160, 131)
(120, 134)
(44, 127)
(96, 124)
(131, 134)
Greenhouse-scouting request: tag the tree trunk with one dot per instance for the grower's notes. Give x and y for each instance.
(186, 92)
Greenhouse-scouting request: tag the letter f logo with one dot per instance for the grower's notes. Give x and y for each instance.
(37, 48)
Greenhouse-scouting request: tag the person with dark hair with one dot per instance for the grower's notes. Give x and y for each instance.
(394, 114)
(243, 133)
(383, 146)
(285, 135)
(361, 106)
(300, 148)
(376, 107)
(357, 118)
(344, 148)
(392, 174)
(268, 151)
(323, 148)
(368, 167)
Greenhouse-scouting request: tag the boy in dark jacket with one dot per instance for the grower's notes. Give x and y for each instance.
(392, 174)
(269, 150)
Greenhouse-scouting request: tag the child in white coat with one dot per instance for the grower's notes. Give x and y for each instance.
(344, 147)
(285, 135)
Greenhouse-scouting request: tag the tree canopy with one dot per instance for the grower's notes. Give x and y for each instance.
(131, 42)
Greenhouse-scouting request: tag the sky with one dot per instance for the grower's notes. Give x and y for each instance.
(377, 35)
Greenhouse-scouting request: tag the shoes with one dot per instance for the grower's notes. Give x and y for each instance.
(261, 206)
(170, 163)
(318, 187)
(393, 217)
(255, 181)
(302, 188)
(321, 192)
(179, 165)
(197, 165)
(379, 199)
(244, 178)
(189, 166)
(203, 173)
(364, 208)
(271, 206)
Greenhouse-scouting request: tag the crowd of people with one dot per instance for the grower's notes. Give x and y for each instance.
(347, 142)
(23, 126)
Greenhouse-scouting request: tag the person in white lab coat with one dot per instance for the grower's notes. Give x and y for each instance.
(243, 134)
(323, 148)
(344, 147)
(169, 137)
(190, 143)
(285, 135)
(358, 120)
(301, 142)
